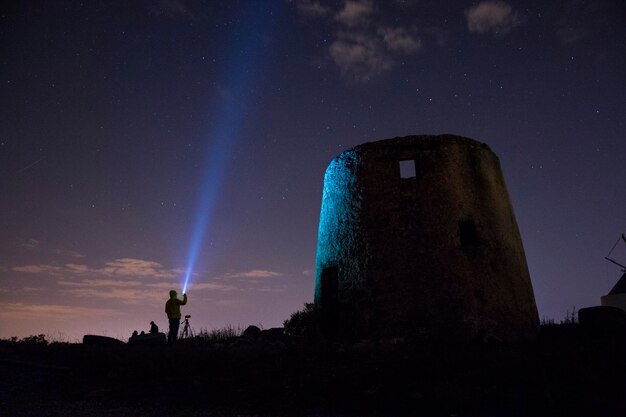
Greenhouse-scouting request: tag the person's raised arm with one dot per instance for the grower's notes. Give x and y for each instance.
(184, 300)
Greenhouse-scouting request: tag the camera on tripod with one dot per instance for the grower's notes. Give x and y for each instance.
(186, 331)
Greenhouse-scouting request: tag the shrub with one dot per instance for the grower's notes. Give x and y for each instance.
(35, 339)
(219, 335)
(301, 323)
(571, 317)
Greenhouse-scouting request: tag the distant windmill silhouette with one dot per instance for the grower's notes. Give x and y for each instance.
(611, 251)
(617, 296)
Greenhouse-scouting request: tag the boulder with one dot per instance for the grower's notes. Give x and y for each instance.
(97, 340)
(148, 339)
(275, 333)
(251, 332)
(602, 320)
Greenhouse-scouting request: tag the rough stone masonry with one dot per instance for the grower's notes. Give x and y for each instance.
(417, 236)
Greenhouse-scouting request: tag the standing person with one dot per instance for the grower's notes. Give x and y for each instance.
(172, 309)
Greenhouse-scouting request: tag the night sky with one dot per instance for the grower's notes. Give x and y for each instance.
(130, 130)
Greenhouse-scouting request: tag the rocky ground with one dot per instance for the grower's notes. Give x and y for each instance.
(565, 372)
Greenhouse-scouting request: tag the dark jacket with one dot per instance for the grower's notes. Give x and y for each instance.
(172, 307)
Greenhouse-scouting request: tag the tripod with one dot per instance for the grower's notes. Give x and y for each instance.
(187, 331)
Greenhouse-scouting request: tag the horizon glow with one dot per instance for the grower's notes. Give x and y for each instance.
(241, 68)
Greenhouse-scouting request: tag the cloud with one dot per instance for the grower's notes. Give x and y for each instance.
(492, 16)
(124, 295)
(212, 286)
(123, 267)
(579, 19)
(15, 311)
(363, 46)
(68, 253)
(255, 280)
(131, 292)
(360, 56)
(31, 243)
(406, 3)
(275, 288)
(228, 303)
(33, 289)
(172, 9)
(568, 33)
(355, 12)
(136, 268)
(399, 40)
(122, 280)
(39, 269)
(100, 283)
(164, 285)
(196, 287)
(309, 8)
(255, 273)
(79, 269)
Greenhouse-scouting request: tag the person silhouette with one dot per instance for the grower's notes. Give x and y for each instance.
(153, 327)
(172, 309)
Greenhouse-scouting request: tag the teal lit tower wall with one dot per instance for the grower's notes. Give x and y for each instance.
(417, 236)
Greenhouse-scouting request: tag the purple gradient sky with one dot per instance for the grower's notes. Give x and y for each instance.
(108, 110)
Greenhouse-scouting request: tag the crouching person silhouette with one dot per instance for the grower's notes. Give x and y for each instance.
(172, 309)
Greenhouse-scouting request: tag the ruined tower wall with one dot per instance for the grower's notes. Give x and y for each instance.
(439, 253)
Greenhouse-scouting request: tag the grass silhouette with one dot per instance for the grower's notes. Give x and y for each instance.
(564, 372)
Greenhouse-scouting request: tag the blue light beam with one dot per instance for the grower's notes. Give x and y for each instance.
(242, 67)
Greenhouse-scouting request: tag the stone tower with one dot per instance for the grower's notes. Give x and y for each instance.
(417, 236)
